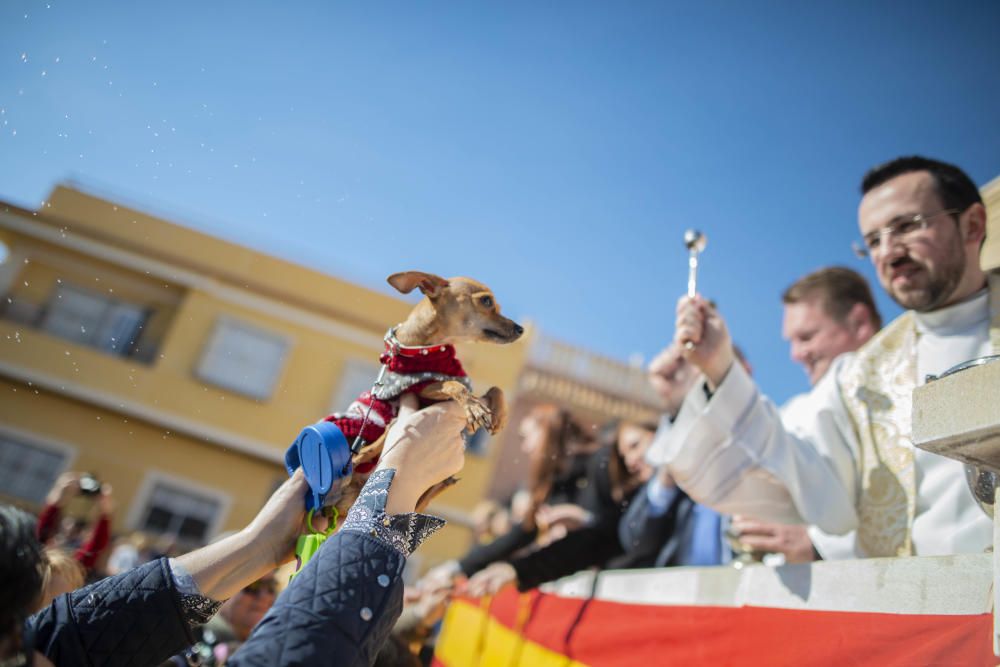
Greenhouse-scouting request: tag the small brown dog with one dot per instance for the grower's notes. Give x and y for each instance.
(419, 365)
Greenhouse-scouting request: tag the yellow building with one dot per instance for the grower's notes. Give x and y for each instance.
(178, 367)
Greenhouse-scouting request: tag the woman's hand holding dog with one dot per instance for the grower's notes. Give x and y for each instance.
(424, 447)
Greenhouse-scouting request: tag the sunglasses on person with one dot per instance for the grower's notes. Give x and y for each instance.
(262, 586)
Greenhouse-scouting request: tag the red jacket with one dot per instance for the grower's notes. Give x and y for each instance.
(88, 552)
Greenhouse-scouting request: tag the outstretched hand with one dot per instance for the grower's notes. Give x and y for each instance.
(425, 447)
(443, 575)
(699, 322)
(563, 515)
(491, 579)
(791, 540)
(430, 605)
(277, 526)
(67, 485)
(222, 568)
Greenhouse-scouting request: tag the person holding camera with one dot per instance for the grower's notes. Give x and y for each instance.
(58, 532)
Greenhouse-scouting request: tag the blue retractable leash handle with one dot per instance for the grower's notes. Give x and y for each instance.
(324, 455)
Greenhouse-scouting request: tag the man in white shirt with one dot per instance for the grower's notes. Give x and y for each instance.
(843, 460)
(827, 313)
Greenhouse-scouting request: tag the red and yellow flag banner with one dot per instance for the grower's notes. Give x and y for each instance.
(539, 629)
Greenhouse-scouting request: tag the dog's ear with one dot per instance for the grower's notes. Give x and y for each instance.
(428, 283)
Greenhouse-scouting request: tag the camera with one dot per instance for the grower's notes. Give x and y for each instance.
(89, 485)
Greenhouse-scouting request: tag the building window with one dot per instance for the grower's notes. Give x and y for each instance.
(356, 378)
(179, 512)
(28, 471)
(92, 319)
(242, 358)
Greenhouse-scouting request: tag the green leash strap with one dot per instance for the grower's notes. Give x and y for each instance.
(307, 545)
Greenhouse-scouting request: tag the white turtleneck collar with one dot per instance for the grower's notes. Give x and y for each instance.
(956, 318)
(952, 335)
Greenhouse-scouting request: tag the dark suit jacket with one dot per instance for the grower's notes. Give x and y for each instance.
(654, 541)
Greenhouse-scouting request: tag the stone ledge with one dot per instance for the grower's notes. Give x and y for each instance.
(958, 416)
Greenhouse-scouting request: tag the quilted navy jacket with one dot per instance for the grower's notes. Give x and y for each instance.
(134, 618)
(341, 607)
(338, 611)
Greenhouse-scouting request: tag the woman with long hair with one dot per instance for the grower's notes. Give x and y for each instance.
(590, 530)
(558, 451)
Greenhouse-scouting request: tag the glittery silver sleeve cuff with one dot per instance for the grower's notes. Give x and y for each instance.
(198, 609)
(402, 532)
(195, 607)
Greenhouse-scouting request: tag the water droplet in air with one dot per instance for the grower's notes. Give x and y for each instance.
(366, 614)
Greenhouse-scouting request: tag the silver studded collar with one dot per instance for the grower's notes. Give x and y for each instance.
(394, 347)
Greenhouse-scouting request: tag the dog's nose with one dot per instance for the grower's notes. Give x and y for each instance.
(518, 329)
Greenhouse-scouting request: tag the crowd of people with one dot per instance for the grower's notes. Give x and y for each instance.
(725, 476)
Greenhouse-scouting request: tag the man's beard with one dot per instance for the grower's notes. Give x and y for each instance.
(941, 284)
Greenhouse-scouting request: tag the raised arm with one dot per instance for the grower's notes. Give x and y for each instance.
(730, 449)
(343, 604)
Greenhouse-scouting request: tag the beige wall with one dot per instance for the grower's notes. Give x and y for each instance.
(991, 249)
(126, 452)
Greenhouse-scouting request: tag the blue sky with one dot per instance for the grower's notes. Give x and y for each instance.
(556, 151)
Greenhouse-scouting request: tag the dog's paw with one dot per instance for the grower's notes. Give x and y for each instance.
(498, 409)
(477, 414)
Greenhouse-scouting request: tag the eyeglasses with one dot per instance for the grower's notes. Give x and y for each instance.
(900, 229)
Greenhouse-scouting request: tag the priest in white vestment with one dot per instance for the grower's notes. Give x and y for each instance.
(843, 460)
